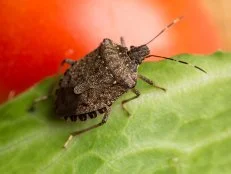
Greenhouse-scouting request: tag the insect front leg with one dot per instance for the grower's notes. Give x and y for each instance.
(135, 91)
(150, 82)
(76, 133)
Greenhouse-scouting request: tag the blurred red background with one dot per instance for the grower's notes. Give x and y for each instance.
(36, 35)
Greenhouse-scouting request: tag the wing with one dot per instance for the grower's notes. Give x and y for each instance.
(68, 103)
(97, 98)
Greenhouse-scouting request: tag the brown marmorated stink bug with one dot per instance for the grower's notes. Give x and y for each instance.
(92, 84)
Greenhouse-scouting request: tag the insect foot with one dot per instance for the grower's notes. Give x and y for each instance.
(37, 100)
(104, 120)
(137, 93)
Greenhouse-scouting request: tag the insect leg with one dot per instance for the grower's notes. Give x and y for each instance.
(52, 90)
(68, 61)
(37, 100)
(135, 91)
(150, 82)
(122, 41)
(73, 134)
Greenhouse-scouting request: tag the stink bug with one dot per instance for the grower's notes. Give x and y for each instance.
(91, 85)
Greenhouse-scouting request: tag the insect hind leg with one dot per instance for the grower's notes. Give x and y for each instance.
(76, 133)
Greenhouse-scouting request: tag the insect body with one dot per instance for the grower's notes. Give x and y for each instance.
(92, 84)
(95, 82)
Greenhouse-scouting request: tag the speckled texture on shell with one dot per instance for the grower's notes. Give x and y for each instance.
(96, 81)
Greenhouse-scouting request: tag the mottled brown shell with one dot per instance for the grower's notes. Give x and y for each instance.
(95, 82)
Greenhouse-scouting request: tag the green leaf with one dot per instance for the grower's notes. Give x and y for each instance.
(185, 130)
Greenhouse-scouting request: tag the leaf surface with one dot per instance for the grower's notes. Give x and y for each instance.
(185, 130)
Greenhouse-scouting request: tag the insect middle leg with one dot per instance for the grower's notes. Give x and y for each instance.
(76, 133)
(150, 82)
(135, 91)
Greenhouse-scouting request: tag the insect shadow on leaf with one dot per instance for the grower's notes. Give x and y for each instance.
(91, 85)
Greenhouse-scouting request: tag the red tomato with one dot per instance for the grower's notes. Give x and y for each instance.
(36, 35)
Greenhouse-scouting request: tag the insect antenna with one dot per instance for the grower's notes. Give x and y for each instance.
(161, 32)
(165, 29)
(179, 61)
